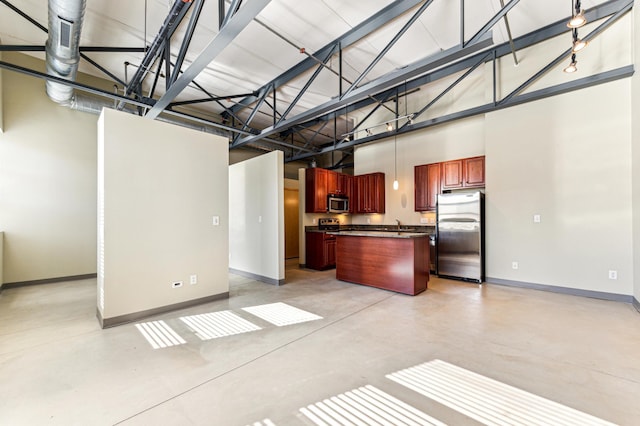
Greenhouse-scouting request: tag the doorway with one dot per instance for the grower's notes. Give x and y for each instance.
(291, 222)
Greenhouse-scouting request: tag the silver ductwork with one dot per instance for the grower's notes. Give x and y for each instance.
(63, 46)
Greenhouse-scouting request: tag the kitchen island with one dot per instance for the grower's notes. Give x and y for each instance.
(396, 261)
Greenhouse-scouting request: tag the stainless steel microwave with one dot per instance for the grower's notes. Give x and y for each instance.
(337, 203)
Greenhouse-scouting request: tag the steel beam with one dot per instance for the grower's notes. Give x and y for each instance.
(186, 41)
(491, 22)
(103, 69)
(583, 83)
(538, 36)
(360, 31)
(75, 85)
(383, 83)
(389, 45)
(233, 9)
(305, 87)
(169, 26)
(24, 15)
(227, 34)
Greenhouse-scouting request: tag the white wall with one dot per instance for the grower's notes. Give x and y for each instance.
(1, 255)
(47, 182)
(635, 157)
(256, 217)
(1, 102)
(577, 177)
(161, 185)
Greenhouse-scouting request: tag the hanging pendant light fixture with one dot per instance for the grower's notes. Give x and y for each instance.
(396, 185)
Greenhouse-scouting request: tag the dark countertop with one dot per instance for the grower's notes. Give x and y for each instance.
(380, 234)
(421, 229)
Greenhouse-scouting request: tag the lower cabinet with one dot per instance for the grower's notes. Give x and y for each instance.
(320, 250)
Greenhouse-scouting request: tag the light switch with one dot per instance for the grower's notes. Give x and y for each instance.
(259, 219)
(536, 218)
(216, 220)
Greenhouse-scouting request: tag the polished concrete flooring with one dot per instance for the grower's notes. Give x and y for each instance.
(58, 367)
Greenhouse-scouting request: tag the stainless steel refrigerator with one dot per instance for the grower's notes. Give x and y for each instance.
(460, 236)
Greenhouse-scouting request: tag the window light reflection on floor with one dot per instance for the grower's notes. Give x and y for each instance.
(486, 400)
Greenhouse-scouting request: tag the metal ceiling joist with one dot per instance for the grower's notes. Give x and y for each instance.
(605, 77)
(186, 41)
(530, 39)
(24, 15)
(103, 69)
(498, 16)
(38, 48)
(389, 45)
(306, 86)
(169, 26)
(360, 31)
(374, 87)
(620, 8)
(233, 9)
(227, 34)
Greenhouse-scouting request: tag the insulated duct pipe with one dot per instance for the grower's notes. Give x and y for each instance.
(63, 46)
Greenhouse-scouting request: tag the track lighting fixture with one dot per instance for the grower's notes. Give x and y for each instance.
(573, 66)
(578, 45)
(578, 19)
(389, 126)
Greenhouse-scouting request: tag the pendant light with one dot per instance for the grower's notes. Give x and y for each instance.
(395, 163)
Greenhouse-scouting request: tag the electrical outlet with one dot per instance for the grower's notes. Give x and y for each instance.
(193, 279)
(536, 218)
(613, 275)
(424, 220)
(216, 220)
(314, 221)
(368, 220)
(176, 284)
(514, 265)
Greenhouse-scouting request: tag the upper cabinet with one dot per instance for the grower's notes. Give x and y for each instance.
(369, 193)
(316, 183)
(427, 186)
(321, 182)
(452, 174)
(473, 172)
(432, 179)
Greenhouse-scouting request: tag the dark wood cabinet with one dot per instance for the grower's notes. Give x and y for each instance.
(321, 182)
(332, 182)
(452, 174)
(345, 186)
(427, 186)
(431, 179)
(473, 170)
(369, 193)
(320, 250)
(316, 183)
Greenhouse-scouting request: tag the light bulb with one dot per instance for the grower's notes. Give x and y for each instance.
(578, 45)
(577, 20)
(389, 127)
(573, 67)
(395, 185)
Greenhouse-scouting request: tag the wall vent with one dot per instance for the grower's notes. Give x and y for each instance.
(65, 33)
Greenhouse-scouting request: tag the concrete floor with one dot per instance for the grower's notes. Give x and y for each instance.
(58, 367)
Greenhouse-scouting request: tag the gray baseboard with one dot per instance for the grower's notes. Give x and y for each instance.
(256, 277)
(636, 304)
(135, 316)
(563, 290)
(48, 281)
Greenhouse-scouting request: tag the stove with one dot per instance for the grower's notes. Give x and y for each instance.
(328, 224)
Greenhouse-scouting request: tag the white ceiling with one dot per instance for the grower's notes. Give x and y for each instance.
(258, 55)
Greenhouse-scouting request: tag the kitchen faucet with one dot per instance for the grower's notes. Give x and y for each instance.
(398, 220)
